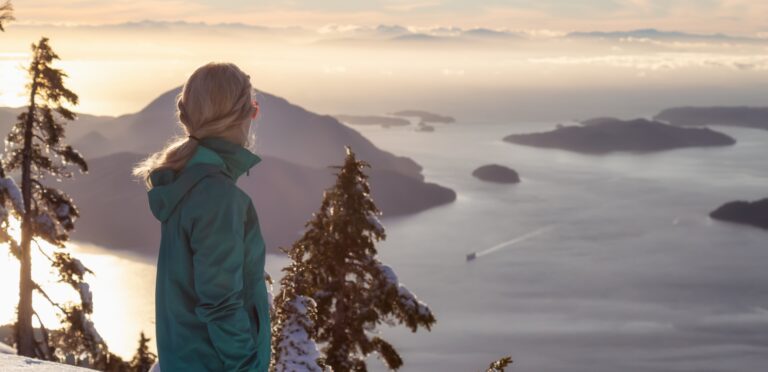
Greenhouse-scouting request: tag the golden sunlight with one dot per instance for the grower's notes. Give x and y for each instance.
(13, 76)
(114, 312)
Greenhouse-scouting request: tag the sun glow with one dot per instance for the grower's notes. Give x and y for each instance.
(110, 305)
(13, 76)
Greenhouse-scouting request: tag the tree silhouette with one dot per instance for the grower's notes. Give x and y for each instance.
(144, 359)
(354, 292)
(6, 14)
(34, 146)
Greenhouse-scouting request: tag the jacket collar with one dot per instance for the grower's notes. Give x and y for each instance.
(233, 158)
(169, 187)
(214, 154)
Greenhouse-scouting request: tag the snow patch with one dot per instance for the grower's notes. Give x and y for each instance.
(410, 300)
(373, 220)
(14, 363)
(5, 349)
(298, 352)
(85, 294)
(388, 273)
(8, 185)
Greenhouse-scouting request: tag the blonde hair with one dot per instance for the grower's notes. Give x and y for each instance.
(216, 97)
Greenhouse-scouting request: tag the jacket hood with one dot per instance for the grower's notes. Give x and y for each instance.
(213, 155)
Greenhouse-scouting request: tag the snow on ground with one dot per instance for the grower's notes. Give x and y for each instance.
(10, 362)
(14, 363)
(5, 349)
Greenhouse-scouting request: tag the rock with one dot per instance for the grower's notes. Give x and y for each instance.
(605, 135)
(496, 173)
(744, 212)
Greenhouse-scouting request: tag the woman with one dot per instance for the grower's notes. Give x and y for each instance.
(212, 311)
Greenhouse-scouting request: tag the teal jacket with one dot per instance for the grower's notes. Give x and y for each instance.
(212, 311)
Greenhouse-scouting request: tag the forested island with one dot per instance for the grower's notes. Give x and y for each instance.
(744, 212)
(605, 135)
(496, 173)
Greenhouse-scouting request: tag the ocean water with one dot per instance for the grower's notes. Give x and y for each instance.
(611, 265)
(601, 263)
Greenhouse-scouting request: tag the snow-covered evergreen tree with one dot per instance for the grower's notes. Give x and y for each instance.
(339, 269)
(293, 318)
(34, 146)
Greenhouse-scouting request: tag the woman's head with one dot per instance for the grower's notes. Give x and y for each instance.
(216, 101)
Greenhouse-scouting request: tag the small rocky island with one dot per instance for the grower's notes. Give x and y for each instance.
(496, 173)
(744, 212)
(424, 127)
(425, 116)
(605, 135)
(384, 121)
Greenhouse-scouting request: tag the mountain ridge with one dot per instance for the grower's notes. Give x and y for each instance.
(296, 146)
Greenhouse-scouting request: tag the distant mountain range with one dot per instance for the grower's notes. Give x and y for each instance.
(296, 147)
(401, 33)
(739, 116)
(651, 33)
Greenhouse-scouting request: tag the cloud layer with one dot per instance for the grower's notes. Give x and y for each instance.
(734, 16)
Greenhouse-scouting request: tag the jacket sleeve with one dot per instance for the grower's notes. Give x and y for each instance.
(217, 243)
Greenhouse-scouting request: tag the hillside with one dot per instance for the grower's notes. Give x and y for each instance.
(296, 147)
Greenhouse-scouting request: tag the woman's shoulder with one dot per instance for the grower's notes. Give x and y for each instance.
(219, 184)
(212, 198)
(216, 190)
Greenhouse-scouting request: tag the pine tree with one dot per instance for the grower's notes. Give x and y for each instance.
(293, 318)
(6, 14)
(144, 359)
(353, 291)
(35, 146)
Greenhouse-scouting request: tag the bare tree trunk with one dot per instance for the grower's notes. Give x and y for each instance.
(25, 337)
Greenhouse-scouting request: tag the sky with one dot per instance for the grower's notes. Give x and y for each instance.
(492, 60)
(743, 17)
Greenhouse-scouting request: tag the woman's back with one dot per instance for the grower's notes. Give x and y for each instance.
(211, 300)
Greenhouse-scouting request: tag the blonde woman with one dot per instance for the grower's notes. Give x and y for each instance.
(212, 311)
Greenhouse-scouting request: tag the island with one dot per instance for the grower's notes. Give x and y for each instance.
(423, 127)
(425, 116)
(605, 135)
(384, 121)
(743, 212)
(739, 116)
(496, 173)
